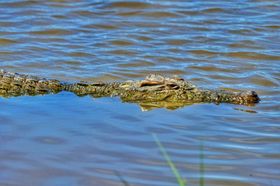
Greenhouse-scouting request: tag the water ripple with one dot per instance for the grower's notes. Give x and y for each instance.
(67, 140)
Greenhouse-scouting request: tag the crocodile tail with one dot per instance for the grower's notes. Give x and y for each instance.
(14, 84)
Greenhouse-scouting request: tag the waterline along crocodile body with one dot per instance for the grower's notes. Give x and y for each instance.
(154, 90)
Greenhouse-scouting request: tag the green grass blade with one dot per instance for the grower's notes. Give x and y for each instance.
(201, 165)
(181, 182)
(125, 183)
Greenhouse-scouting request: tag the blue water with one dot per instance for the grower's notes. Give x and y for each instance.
(62, 139)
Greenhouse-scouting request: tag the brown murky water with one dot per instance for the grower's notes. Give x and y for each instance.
(67, 140)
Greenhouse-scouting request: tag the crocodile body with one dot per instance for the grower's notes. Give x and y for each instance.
(154, 89)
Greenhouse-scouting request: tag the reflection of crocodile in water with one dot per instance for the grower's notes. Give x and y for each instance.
(154, 91)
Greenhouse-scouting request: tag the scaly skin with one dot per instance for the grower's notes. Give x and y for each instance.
(13, 84)
(155, 90)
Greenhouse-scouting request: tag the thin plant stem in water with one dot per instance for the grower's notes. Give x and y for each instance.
(201, 165)
(125, 183)
(180, 180)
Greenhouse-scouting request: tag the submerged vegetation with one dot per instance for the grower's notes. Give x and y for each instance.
(180, 180)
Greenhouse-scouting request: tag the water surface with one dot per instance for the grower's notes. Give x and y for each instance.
(68, 140)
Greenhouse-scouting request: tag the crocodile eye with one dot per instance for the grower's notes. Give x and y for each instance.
(179, 79)
(150, 83)
(173, 86)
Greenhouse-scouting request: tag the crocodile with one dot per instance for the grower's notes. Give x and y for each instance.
(153, 91)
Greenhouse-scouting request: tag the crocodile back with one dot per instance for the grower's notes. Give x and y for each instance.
(14, 84)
